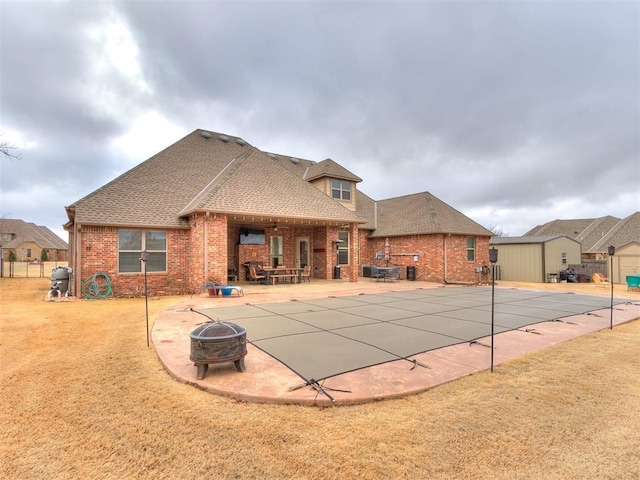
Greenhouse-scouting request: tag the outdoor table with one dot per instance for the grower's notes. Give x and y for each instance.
(273, 273)
(388, 272)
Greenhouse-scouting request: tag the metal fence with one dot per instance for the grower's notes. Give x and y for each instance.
(28, 269)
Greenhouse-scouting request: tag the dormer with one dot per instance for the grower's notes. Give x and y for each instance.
(335, 181)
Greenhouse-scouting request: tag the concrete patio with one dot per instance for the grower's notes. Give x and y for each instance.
(270, 381)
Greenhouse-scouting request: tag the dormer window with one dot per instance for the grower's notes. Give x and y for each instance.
(341, 190)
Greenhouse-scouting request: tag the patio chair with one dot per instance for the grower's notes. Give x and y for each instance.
(255, 277)
(633, 282)
(393, 274)
(377, 274)
(306, 274)
(600, 280)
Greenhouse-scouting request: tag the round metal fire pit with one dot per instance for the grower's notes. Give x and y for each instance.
(218, 342)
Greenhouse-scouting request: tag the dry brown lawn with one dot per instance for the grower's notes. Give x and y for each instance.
(83, 397)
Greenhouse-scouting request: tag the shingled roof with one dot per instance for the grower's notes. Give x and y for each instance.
(329, 168)
(422, 213)
(587, 231)
(22, 232)
(625, 231)
(205, 171)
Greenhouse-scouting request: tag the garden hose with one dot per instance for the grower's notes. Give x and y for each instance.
(97, 286)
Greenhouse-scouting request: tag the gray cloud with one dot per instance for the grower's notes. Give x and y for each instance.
(498, 108)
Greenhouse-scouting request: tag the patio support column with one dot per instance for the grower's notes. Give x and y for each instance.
(353, 253)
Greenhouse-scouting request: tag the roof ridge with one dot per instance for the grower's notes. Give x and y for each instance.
(613, 231)
(215, 182)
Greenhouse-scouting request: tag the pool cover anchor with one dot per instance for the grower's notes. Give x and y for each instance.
(416, 363)
(319, 388)
(563, 321)
(530, 330)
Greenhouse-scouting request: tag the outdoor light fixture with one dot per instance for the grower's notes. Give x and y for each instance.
(493, 258)
(144, 256)
(493, 255)
(275, 227)
(611, 251)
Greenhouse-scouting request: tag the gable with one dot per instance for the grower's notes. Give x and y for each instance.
(209, 172)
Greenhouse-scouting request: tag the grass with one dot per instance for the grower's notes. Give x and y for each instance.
(83, 397)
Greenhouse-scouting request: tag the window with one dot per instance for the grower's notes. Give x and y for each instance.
(276, 253)
(28, 253)
(131, 244)
(343, 248)
(340, 190)
(564, 258)
(471, 249)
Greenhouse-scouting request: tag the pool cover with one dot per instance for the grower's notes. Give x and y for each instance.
(322, 338)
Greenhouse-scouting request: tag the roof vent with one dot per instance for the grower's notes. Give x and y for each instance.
(241, 142)
(206, 135)
(272, 155)
(223, 138)
(295, 161)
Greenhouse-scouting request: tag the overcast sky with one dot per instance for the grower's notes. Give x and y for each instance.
(515, 113)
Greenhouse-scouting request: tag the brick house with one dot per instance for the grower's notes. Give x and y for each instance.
(210, 204)
(27, 241)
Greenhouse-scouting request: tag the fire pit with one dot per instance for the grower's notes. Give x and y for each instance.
(218, 342)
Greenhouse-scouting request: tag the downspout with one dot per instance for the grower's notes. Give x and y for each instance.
(77, 270)
(205, 269)
(444, 258)
(544, 267)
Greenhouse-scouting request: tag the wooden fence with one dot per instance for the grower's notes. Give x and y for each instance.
(588, 267)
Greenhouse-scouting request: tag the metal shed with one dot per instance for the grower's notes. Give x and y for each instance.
(626, 261)
(535, 259)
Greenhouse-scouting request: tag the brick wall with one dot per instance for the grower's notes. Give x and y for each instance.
(430, 251)
(99, 254)
(205, 251)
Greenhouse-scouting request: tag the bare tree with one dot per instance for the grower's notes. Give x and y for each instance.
(498, 232)
(6, 150)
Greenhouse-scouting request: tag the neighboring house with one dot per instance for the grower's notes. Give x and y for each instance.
(625, 237)
(535, 259)
(588, 231)
(27, 241)
(596, 235)
(211, 204)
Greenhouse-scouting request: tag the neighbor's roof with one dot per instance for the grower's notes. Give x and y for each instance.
(587, 231)
(206, 171)
(23, 232)
(527, 240)
(623, 233)
(422, 213)
(568, 228)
